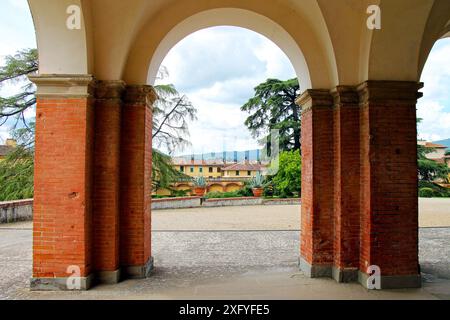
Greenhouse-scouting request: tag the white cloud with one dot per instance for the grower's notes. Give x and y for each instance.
(17, 29)
(4, 134)
(434, 107)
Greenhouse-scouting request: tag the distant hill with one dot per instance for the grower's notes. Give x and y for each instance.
(445, 142)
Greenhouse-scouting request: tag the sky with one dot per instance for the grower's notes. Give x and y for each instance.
(218, 68)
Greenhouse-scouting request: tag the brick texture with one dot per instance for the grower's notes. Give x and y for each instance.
(317, 177)
(106, 205)
(389, 200)
(346, 178)
(62, 206)
(136, 161)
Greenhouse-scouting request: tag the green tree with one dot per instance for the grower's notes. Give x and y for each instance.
(171, 114)
(430, 170)
(16, 171)
(287, 181)
(273, 107)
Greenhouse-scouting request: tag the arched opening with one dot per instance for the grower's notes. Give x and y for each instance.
(99, 72)
(237, 18)
(218, 67)
(433, 110)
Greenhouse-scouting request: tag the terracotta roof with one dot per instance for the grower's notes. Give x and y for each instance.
(4, 150)
(244, 167)
(185, 162)
(434, 145)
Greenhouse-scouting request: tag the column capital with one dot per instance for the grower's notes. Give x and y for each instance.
(109, 90)
(390, 92)
(315, 98)
(345, 96)
(140, 94)
(63, 86)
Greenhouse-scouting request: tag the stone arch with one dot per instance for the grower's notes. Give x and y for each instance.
(184, 187)
(399, 50)
(215, 188)
(231, 187)
(62, 51)
(314, 62)
(437, 27)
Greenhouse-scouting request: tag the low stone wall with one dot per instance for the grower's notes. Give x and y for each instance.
(196, 202)
(225, 202)
(176, 203)
(14, 211)
(22, 210)
(278, 202)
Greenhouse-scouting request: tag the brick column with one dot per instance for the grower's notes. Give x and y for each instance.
(346, 184)
(316, 258)
(136, 161)
(62, 181)
(389, 200)
(106, 207)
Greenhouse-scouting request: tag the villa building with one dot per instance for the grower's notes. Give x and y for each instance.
(438, 152)
(221, 176)
(5, 149)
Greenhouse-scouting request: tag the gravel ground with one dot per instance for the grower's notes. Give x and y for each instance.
(227, 257)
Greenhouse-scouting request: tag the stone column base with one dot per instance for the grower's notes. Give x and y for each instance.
(394, 282)
(345, 275)
(59, 284)
(314, 271)
(138, 272)
(108, 277)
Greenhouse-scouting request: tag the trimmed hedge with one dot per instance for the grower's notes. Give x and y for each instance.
(432, 190)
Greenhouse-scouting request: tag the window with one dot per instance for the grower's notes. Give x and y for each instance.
(200, 170)
(182, 169)
(219, 170)
(237, 173)
(192, 169)
(210, 169)
(249, 173)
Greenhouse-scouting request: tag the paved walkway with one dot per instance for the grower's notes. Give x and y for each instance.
(236, 260)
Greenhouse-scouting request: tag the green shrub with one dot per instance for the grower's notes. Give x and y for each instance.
(223, 195)
(438, 191)
(287, 181)
(426, 193)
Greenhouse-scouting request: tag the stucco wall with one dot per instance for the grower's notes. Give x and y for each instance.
(13, 211)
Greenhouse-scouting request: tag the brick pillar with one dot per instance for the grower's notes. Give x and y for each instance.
(136, 161)
(62, 182)
(389, 201)
(346, 184)
(317, 183)
(106, 207)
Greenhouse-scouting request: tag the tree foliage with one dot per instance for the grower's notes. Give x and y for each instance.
(430, 170)
(171, 115)
(273, 107)
(287, 181)
(15, 71)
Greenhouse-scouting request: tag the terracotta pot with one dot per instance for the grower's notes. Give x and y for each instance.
(199, 191)
(257, 192)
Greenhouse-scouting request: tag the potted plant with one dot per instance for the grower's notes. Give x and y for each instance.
(257, 185)
(200, 186)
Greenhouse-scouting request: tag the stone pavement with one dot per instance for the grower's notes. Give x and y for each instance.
(237, 263)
